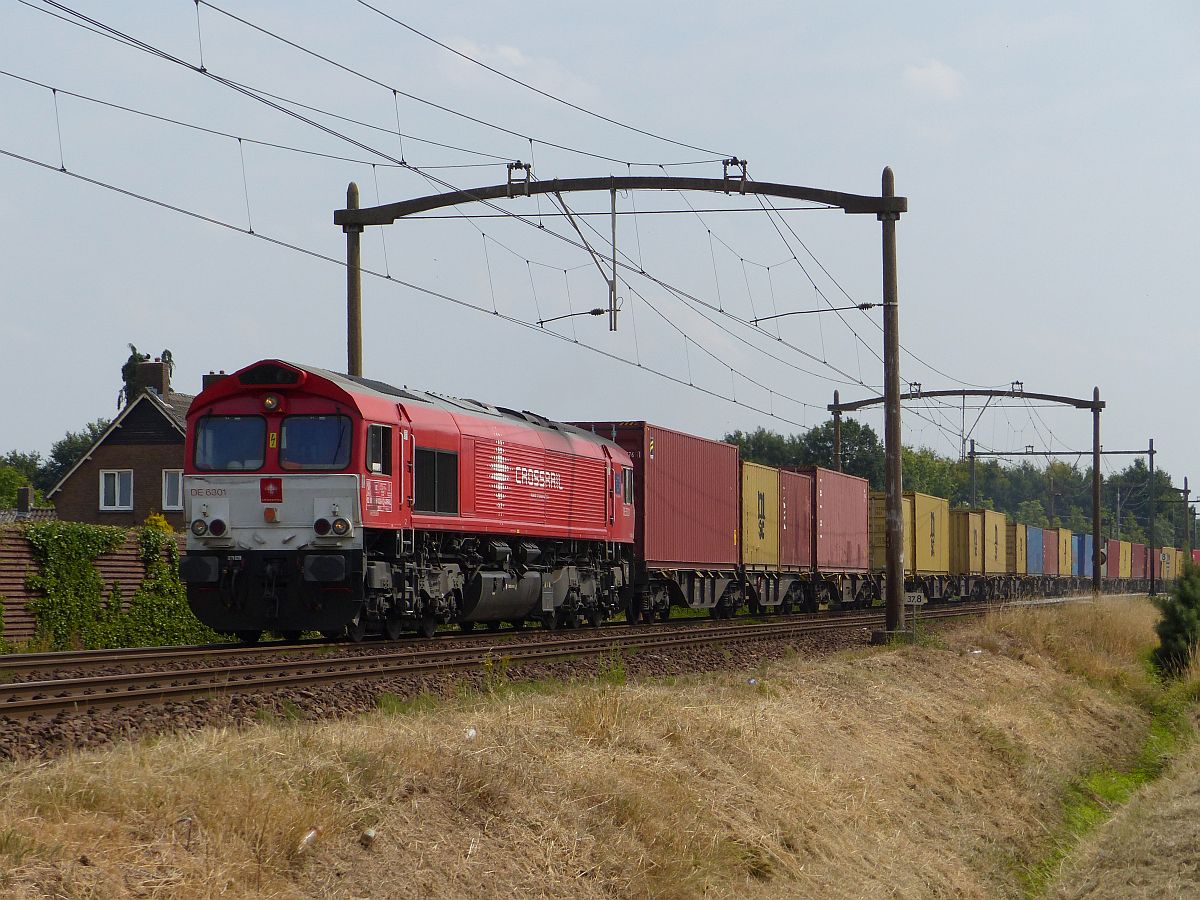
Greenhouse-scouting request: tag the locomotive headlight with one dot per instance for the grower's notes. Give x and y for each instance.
(341, 527)
(321, 527)
(271, 402)
(216, 527)
(199, 528)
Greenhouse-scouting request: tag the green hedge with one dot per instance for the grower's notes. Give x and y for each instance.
(74, 611)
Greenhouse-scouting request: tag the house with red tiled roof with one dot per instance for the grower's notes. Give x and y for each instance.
(135, 467)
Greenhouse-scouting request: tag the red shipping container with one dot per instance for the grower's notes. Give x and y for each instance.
(841, 508)
(1112, 551)
(686, 491)
(1050, 551)
(1196, 557)
(795, 520)
(1138, 562)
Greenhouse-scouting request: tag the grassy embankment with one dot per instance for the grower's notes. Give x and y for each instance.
(968, 766)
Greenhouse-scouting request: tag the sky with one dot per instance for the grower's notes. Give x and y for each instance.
(1048, 157)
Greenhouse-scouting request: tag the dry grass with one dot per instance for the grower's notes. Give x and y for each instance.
(1148, 850)
(916, 772)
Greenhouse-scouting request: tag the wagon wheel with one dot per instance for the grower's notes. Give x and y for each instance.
(633, 615)
(333, 634)
(467, 627)
(392, 629)
(595, 617)
(549, 621)
(664, 614)
(494, 625)
(569, 619)
(248, 637)
(357, 630)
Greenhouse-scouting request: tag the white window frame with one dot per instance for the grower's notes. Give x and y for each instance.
(166, 504)
(117, 507)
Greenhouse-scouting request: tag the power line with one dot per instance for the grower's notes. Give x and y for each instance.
(252, 93)
(532, 326)
(350, 70)
(530, 87)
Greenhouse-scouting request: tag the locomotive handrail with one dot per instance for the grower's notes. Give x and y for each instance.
(390, 212)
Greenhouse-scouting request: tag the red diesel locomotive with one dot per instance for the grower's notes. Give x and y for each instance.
(326, 502)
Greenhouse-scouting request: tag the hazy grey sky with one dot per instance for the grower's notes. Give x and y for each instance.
(1049, 159)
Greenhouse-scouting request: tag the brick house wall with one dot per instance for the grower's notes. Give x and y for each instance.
(78, 500)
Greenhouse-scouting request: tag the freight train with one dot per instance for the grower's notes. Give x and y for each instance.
(317, 501)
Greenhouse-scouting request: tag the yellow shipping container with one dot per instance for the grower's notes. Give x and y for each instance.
(1064, 551)
(760, 516)
(1018, 558)
(995, 542)
(966, 542)
(929, 539)
(879, 531)
(1125, 560)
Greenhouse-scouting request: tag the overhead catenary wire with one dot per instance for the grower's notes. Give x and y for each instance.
(533, 88)
(458, 301)
(127, 40)
(350, 70)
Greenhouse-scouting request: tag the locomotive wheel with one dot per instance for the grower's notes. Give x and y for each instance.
(570, 619)
(494, 625)
(518, 624)
(357, 631)
(595, 617)
(249, 637)
(392, 629)
(428, 627)
(549, 621)
(290, 635)
(664, 614)
(333, 635)
(466, 626)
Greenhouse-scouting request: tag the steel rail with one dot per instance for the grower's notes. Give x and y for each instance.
(24, 699)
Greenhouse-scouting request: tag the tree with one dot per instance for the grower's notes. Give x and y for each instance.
(1179, 628)
(11, 478)
(1030, 512)
(862, 451)
(131, 385)
(28, 464)
(67, 451)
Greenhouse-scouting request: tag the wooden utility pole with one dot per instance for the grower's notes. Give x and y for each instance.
(1096, 407)
(837, 432)
(894, 568)
(353, 288)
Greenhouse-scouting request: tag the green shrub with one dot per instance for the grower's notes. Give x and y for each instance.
(1179, 628)
(73, 610)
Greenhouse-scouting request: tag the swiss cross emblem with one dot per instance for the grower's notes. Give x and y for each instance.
(270, 490)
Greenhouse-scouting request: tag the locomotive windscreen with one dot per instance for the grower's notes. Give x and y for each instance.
(315, 442)
(230, 443)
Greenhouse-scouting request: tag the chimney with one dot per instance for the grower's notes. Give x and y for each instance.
(213, 378)
(24, 501)
(154, 376)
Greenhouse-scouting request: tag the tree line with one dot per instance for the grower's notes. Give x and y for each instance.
(1056, 494)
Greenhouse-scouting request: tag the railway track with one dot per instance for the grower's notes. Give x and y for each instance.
(74, 660)
(52, 697)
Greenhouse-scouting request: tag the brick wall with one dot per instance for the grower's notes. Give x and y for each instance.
(123, 568)
(79, 498)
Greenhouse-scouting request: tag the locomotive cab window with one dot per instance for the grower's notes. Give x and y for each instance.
(379, 449)
(314, 442)
(436, 481)
(628, 496)
(230, 443)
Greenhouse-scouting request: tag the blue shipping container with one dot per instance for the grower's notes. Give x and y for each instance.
(1034, 560)
(1081, 555)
